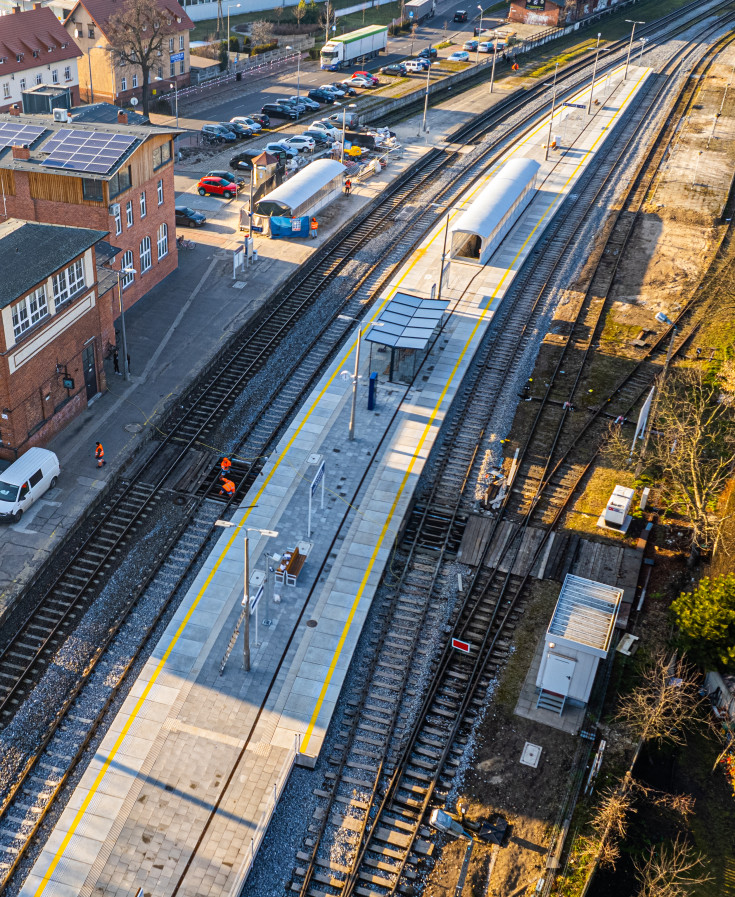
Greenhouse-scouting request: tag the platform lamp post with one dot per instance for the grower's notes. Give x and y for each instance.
(479, 35)
(356, 375)
(426, 95)
(126, 371)
(551, 117)
(344, 125)
(495, 56)
(298, 80)
(640, 52)
(630, 45)
(594, 74)
(268, 533)
(175, 88)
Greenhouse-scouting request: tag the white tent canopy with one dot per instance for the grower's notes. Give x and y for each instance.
(478, 232)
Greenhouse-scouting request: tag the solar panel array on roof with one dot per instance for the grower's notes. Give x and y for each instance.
(93, 151)
(407, 322)
(15, 133)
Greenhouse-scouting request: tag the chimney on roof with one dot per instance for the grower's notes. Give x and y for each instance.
(14, 109)
(21, 152)
(38, 5)
(16, 9)
(122, 117)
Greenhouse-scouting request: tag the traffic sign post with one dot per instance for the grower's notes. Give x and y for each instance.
(318, 478)
(459, 645)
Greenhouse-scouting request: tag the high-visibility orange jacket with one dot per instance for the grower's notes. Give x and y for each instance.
(228, 486)
(99, 452)
(225, 465)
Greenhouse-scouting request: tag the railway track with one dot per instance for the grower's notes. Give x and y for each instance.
(383, 800)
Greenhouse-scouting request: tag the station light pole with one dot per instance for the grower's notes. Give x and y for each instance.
(268, 533)
(175, 88)
(298, 80)
(594, 74)
(495, 56)
(479, 35)
(356, 375)
(551, 117)
(228, 32)
(344, 125)
(426, 96)
(630, 45)
(126, 371)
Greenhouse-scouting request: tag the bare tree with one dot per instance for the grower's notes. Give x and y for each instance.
(664, 704)
(671, 871)
(261, 33)
(327, 18)
(137, 34)
(278, 12)
(610, 823)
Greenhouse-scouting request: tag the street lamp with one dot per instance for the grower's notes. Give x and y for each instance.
(228, 33)
(640, 54)
(268, 533)
(426, 97)
(298, 80)
(344, 121)
(357, 368)
(126, 372)
(448, 210)
(495, 56)
(551, 117)
(479, 36)
(630, 45)
(175, 87)
(594, 74)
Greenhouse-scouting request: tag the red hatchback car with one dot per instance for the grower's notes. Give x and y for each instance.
(217, 186)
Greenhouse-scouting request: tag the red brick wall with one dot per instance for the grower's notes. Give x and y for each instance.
(23, 205)
(551, 16)
(34, 399)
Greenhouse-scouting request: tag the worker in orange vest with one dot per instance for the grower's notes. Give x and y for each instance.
(225, 465)
(348, 186)
(227, 487)
(314, 226)
(99, 454)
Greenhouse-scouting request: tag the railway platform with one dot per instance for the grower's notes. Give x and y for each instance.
(179, 792)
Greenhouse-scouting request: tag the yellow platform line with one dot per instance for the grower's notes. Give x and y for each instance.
(79, 815)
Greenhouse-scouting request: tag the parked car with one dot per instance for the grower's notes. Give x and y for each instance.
(280, 146)
(322, 96)
(244, 161)
(460, 16)
(301, 143)
(261, 118)
(26, 480)
(238, 129)
(226, 176)
(218, 133)
(217, 187)
(395, 68)
(361, 82)
(320, 138)
(306, 101)
(343, 119)
(485, 46)
(291, 101)
(417, 65)
(429, 52)
(186, 217)
(366, 75)
(459, 56)
(470, 45)
(345, 88)
(278, 111)
(247, 122)
(326, 127)
(339, 90)
(278, 151)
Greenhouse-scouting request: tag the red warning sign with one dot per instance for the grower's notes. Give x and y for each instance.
(464, 647)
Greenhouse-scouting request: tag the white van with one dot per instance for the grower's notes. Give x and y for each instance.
(25, 481)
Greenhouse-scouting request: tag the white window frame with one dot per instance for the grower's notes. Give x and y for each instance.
(123, 84)
(67, 73)
(182, 67)
(142, 205)
(39, 78)
(162, 241)
(68, 282)
(170, 45)
(135, 80)
(146, 255)
(6, 90)
(160, 191)
(127, 262)
(171, 68)
(54, 76)
(22, 83)
(181, 42)
(29, 311)
(129, 213)
(118, 220)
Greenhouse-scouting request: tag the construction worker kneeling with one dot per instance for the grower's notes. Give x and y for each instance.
(227, 487)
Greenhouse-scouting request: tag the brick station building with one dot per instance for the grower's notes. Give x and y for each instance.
(51, 324)
(132, 200)
(556, 13)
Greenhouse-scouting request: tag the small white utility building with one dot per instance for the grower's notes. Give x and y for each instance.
(480, 230)
(578, 637)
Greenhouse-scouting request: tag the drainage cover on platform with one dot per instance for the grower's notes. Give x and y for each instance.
(311, 623)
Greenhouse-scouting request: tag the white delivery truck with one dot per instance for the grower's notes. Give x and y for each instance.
(418, 10)
(357, 46)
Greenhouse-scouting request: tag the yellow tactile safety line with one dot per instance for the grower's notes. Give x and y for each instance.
(79, 815)
(424, 435)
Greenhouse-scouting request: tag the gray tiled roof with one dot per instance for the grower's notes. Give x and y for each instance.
(30, 252)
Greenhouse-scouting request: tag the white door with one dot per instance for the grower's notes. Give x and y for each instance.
(558, 674)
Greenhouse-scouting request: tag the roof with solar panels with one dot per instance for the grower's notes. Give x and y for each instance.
(83, 149)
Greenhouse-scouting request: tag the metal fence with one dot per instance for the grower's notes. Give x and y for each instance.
(256, 67)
